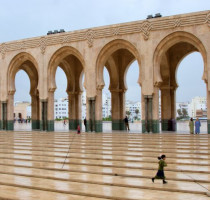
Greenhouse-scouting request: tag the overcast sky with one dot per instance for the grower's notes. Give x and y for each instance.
(29, 18)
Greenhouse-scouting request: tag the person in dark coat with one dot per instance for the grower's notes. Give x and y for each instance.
(126, 123)
(85, 123)
(160, 174)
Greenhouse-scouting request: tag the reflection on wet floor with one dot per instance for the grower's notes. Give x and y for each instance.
(37, 165)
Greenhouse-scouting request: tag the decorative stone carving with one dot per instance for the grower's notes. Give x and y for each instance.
(43, 44)
(177, 23)
(145, 29)
(115, 31)
(144, 26)
(3, 49)
(66, 39)
(89, 36)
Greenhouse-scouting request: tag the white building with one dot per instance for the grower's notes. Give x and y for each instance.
(132, 107)
(61, 108)
(182, 105)
(106, 107)
(197, 103)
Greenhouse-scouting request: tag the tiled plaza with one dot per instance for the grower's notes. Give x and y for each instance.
(37, 166)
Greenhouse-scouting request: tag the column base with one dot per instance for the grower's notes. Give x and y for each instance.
(50, 125)
(35, 124)
(146, 128)
(208, 126)
(73, 123)
(98, 126)
(10, 125)
(155, 126)
(118, 124)
(164, 124)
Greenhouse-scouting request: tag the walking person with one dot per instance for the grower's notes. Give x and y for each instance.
(78, 129)
(197, 126)
(85, 123)
(160, 174)
(191, 125)
(126, 123)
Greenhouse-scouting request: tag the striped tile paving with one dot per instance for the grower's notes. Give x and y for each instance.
(61, 166)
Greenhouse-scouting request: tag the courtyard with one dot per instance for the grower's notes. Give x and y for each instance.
(119, 165)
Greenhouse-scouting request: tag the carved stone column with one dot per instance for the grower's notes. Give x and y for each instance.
(91, 121)
(98, 108)
(35, 122)
(50, 110)
(10, 111)
(71, 97)
(155, 118)
(75, 112)
(208, 109)
(4, 115)
(168, 108)
(147, 126)
(118, 109)
(43, 115)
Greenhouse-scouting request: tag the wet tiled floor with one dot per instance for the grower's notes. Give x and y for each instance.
(61, 166)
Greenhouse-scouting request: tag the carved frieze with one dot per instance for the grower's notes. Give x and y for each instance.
(145, 27)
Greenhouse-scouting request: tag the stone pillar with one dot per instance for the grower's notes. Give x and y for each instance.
(208, 110)
(43, 115)
(35, 122)
(4, 115)
(78, 110)
(168, 108)
(50, 111)
(165, 108)
(72, 124)
(143, 113)
(147, 126)
(155, 118)
(118, 109)
(98, 107)
(91, 106)
(10, 112)
(75, 112)
(0, 115)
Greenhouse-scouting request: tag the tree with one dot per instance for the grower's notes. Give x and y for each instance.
(128, 112)
(184, 113)
(179, 112)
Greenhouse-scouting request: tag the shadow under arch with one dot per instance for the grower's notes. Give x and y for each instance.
(116, 56)
(72, 63)
(26, 62)
(167, 57)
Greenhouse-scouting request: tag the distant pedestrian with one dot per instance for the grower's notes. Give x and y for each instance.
(126, 123)
(191, 125)
(197, 126)
(160, 174)
(64, 122)
(85, 123)
(78, 129)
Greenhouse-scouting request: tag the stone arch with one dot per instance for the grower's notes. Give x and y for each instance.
(72, 63)
(107, 51)
(168, 42)
(65, 57)
(23, 61)
(167, 56)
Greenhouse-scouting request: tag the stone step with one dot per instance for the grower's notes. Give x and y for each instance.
(140, 150)
(38, 156)
(96, 190)
(8, 192)
(105, 163)
(183, 186)
(62, 152)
